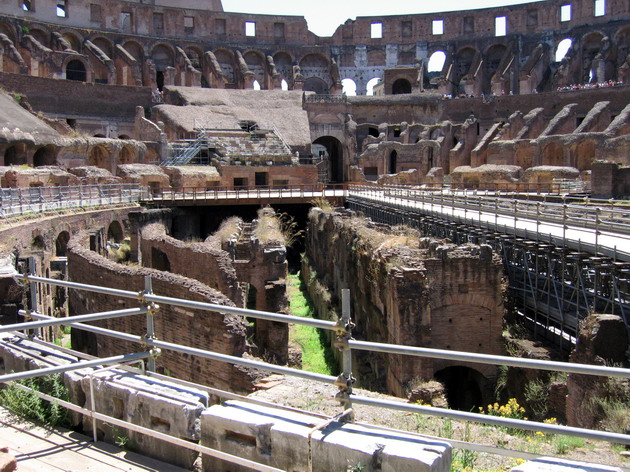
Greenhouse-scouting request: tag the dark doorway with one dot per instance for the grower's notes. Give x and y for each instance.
(335, 157)
(75, 70)
(159, 260)
(373, 131)
(44, 156)
(261, 179)
(463, 387)
(393, 157)
(401, 86)
(159, 80)
(61, 244)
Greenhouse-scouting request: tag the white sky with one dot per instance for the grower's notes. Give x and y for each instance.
(324, 16)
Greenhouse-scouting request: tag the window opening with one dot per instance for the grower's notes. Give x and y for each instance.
(565, 13)
(500, 26)
(437, 27)
(600, 7)
(62, 8)
(376, 30)
(250, 29)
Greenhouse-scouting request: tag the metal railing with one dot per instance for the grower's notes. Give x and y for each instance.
(25, 201)
(601, 226)
(344, 342)
(265, 193)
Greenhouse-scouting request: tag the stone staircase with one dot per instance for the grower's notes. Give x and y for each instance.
(243, 247)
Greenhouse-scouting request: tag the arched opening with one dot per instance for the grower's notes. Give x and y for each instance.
(74, 41)
(284, 64)
(256, 85)
(104, 45)
(61, 244)
(159, 80)
(44, 156)
(315, 84)
(491, 64)
(563, 48)
(115, 232)
(126, 156)
(349, 87)
(436, 61)
(553, 154)
(99, 157)
(463, 387)
(393, 157)
(284, 85)
(256, 65)
(38, 243)
(14, 158)
(99, 135)
(226, 60)
(372, 131)
(401, 86)
(371, 84)
(335, 157)
(135, 50)
(124, 136)
(591, 46)
(75, 70)
(463, 63)
(194, 55)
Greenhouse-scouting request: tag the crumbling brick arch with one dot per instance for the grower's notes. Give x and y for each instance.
(255, 61)
(163, 56)
(585, 154)
(195, 55)
(15, 155)
(74, 39)
(100, 156)
(316, 66)
(591, 45)
(492, 59)
(41, 35)
(225, 58)
(435, 67)
(317, 85)
(553, 154)
(622, 49)
(127, 155)
(115, 232)
(45, 156)
(464, 386)
(135, 50)
(61, 244)
(462, 63)
(284, 65)
(104, 44)
(9, 30)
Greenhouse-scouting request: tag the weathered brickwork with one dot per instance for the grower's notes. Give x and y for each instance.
(196, 328)
(406, 290)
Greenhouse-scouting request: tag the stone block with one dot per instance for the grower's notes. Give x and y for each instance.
(283, 439)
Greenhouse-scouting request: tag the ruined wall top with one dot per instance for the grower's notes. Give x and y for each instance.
(136, 16)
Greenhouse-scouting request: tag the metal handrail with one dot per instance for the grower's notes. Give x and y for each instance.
(148, 298)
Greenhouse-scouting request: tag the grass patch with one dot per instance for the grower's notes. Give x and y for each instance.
(316, 354)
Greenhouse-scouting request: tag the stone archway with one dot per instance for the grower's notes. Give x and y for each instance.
(115, 232)
(335, 157)
(75, 70)
(99, 156)
(315, 84)
(464, 387)
(401, 86)
(44, 156)
(61, 244)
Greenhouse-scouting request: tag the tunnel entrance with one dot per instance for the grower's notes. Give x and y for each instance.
(463, 387)
(335, 157)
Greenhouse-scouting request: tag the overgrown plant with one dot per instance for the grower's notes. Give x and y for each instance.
(323, 204)
(27, 404)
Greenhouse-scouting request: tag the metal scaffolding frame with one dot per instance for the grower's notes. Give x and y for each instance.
(553, 287)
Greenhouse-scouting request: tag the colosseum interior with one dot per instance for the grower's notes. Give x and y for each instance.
(179, 96)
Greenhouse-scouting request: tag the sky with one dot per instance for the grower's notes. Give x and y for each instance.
(324, 16)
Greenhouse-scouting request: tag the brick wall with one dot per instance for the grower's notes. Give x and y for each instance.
(432, 295)
(201, 329)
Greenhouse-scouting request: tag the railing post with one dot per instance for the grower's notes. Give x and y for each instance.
(343, 335)
(597, 220)
(152, 309)
(32, 270)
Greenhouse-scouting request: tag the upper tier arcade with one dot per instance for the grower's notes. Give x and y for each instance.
(505, 50)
